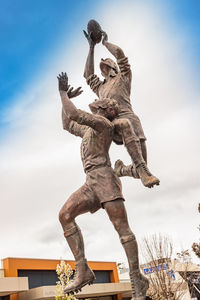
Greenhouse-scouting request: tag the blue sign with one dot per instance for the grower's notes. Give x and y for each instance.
(161, 267)
(156, 268)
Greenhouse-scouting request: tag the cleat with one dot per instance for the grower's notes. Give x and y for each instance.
(83, 276)
(140, 285)
(146, 177)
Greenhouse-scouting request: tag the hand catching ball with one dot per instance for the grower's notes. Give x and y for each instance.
(94, 31)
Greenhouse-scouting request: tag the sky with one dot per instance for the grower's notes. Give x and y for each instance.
(40, 165)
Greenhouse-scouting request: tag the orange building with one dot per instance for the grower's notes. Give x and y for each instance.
(36, 279)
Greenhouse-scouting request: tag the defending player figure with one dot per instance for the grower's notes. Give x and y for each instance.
(102, 188)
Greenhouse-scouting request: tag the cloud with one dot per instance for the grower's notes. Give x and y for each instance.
(41, 165)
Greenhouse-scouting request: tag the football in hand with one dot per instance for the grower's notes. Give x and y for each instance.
(95, 31)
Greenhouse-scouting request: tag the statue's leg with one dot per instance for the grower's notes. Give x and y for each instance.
(123, 170)
(143, 149)
(133, 146)
(118, 216)
(79, 203)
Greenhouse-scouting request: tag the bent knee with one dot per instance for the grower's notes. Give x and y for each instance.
(122, 124)
(64, 216)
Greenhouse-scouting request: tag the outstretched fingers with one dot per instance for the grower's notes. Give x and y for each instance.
(63, 75)
(63, 81)
(74, 93)
(63, 85)
(78, 91)
(105, 37)
(89, 38)
(86, 35)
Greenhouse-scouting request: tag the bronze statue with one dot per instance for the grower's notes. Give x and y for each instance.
(112, 119)
(117, 85)
(102, 188)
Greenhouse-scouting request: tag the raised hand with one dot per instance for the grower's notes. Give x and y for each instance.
(105, 37)
(89, 38)
(63, 82)
(74, 93)
(64, 86)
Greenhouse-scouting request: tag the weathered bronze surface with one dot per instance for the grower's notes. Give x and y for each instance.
(95, 31)
(117, 85)
(112, 119)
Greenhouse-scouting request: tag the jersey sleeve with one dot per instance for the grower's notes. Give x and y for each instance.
(124, 66)
(94, 82)
(76, 129)
(96, 122)
(72, 126)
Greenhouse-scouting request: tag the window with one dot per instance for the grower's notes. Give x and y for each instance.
(38, 278)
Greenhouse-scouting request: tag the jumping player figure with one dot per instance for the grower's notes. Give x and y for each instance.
(128, 129)
(102, 188)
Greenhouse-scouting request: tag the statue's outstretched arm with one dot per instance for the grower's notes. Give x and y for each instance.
(89, 66)
(69, 110)
(78, 117)
(113, 49)
(67, 92)
(72, 126)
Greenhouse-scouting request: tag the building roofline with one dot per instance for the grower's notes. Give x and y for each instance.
(53, 259)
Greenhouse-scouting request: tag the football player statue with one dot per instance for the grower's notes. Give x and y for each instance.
(117, 85)
(102, 188)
